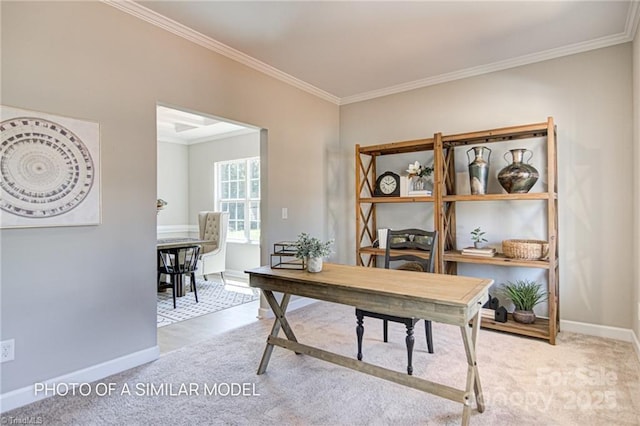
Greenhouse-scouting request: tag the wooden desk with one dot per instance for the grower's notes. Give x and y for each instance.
(449, 299)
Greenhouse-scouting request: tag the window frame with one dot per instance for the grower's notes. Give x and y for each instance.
(247, 200)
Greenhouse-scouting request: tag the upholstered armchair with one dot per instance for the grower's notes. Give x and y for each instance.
(213, 226)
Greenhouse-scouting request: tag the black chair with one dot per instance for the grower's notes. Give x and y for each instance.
(415, 240)
(178, 262)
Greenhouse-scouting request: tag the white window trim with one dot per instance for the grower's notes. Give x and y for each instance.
(247, 199)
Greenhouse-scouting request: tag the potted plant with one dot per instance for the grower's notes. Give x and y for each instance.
(477, 236)
(313, 251)
(524, 294)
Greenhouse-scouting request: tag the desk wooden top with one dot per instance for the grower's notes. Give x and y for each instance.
(338, 282)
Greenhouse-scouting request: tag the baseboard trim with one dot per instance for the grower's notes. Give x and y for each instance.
(266, 313)
(26, 395)
(617, 333)
(238, 275)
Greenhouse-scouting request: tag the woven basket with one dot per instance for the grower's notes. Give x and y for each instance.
(525, 249)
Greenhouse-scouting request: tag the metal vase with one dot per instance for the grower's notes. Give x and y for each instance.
(518, 177)
(479, 169)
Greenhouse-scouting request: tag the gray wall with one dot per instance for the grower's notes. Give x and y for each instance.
(173, 183)
(589, 96)
(73, 298)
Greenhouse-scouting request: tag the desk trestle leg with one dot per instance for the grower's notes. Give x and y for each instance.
(279, 311)
(469, 338)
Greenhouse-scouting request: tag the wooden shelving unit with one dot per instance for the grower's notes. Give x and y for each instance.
(445, 200)
(366, 222)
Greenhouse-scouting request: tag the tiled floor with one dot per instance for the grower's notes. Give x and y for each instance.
(175, 336)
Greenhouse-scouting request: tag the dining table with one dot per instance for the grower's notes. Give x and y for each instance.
(177, 242)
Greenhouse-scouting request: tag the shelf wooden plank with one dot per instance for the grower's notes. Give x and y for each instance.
(497, 135)
(500, 197)
(539, 329)
(398, 147)
(499, 259)
(376, 200)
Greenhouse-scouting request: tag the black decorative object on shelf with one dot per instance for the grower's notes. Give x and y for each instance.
(387, 185)
(492, 303)
(501, 314)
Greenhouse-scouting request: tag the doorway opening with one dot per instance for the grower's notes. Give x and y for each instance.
(208, 164)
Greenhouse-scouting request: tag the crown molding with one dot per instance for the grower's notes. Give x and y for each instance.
(501, 65)
(141, 12)
(631, 26)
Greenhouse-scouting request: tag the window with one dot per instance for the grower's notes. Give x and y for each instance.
(238, 192)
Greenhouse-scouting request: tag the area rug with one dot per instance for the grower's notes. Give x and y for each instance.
(213, 296)
(581, 381)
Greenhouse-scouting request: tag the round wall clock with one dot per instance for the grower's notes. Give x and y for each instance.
(387, 185)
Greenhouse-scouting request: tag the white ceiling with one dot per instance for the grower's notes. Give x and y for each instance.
(186, 128)
(346, 51)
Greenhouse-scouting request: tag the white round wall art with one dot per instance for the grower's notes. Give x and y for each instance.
(48, 173)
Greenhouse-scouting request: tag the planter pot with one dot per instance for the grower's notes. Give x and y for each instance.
(524, 317)
(314, 264)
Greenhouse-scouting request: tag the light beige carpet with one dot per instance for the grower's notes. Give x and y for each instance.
(581, 381)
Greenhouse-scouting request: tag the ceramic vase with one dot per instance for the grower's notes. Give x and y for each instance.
(519, 176)
(421, 184)
(314, 264)
(479, 169)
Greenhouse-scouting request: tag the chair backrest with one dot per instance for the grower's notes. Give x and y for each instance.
(213, 226)
(412, 240)
(179, 260)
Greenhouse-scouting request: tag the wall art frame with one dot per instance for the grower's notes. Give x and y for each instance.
(49, 170)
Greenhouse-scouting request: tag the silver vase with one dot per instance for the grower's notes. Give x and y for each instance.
(479, 169)
(518, 177)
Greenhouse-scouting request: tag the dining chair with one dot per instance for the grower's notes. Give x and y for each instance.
(213, 226)
(416, 247)
(176, 263)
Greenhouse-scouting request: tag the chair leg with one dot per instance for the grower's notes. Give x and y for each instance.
(427, 330)
(385, 330)
(174, 282)
(410, 342)
(193, 286)
(223, 280)
(359, 333)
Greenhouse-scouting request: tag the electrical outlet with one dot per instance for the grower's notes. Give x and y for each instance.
(7, 350)
(285, 212)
